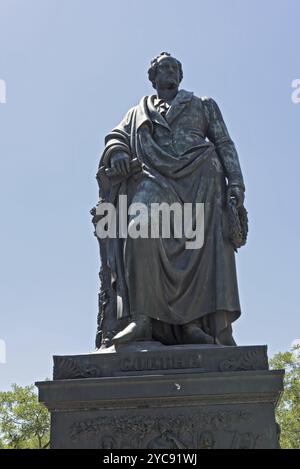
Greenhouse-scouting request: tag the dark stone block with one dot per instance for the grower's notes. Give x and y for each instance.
(151, 357)
(165, 397)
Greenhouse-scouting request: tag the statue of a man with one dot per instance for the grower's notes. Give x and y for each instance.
(164, 291)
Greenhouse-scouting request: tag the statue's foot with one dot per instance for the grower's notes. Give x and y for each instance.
(140, 329)
(226, 339)
(193, 334)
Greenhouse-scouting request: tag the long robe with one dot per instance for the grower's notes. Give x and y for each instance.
(187, 157)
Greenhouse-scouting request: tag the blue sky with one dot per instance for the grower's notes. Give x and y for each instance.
(72, 69)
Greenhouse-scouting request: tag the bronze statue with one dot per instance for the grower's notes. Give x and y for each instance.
(172, 148)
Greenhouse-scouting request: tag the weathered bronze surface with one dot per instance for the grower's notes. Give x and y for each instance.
(173, 147)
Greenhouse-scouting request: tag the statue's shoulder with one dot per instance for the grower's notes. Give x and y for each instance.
(207, 101)
(132, 110)
(203, 101)
(127, 119)
(140, 105)
(210, 105)
(136, 114)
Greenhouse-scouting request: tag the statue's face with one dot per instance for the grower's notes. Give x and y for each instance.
(167, 73)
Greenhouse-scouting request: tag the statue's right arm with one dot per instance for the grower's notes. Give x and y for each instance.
(117, 152)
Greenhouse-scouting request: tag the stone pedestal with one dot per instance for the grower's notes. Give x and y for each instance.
(151, 396)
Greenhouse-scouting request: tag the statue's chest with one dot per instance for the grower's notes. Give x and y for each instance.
(186, 131)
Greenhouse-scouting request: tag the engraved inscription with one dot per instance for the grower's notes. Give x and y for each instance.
(191, 430)
(163, 362)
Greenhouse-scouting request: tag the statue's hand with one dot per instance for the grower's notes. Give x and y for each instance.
(120, 162)
(236, 192)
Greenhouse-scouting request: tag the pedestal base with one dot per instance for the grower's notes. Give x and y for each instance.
(208, 397)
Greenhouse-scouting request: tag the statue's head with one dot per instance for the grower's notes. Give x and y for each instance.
(165, 72)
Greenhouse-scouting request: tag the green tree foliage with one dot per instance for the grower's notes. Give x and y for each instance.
(24, 422)
(288, 410)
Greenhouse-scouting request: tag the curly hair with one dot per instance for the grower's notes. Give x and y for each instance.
(154, 64)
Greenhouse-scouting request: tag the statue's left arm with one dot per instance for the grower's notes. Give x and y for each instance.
(218, 134)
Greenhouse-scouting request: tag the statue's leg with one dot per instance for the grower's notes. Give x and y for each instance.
(141, 266)
(220, 326)
(139, 329)
(193, 333)
(225, 337)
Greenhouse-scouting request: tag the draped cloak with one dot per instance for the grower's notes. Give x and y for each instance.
(187, 156)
